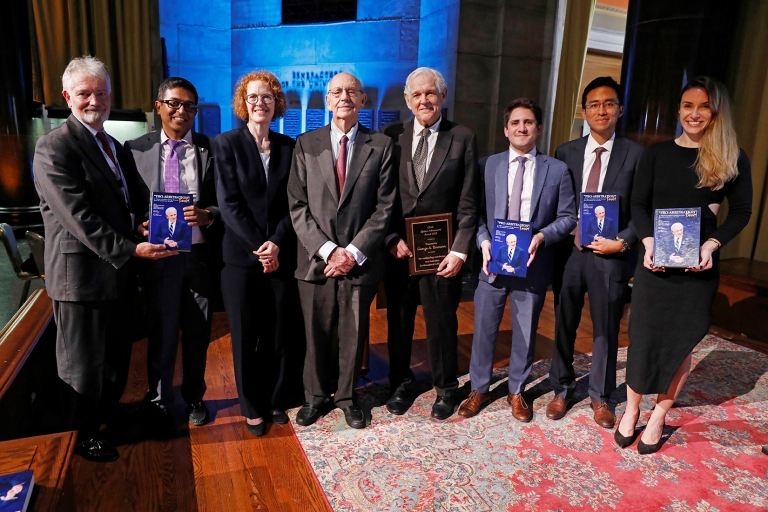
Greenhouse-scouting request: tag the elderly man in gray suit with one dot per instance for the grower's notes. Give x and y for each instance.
(179, 290)
(341, 193)
(91, 199)
(518, 184)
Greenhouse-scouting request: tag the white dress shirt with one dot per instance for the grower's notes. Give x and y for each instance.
(336, 134)
(188, 182)
(530, 172)
(589, 160)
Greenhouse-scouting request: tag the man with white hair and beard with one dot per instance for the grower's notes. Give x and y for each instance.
(91, 199)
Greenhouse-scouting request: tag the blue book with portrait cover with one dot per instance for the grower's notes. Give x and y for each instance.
(16, 491)
(166, 221)
(676, 233)
(598, 217)
(509, 247)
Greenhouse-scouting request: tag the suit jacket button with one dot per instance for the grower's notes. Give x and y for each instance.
(421, 199)
(341, 212)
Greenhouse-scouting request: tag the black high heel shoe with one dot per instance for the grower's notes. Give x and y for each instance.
(623, 441)
(647, 449)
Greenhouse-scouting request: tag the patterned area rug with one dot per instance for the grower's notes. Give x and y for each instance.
(710, 460)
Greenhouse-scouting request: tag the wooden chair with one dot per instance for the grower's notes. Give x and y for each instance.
(9, 241)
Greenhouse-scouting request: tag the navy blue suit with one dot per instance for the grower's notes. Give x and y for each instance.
(518, 260)
(553, 213)
(162, 231)
(608, 231)
(604, 277)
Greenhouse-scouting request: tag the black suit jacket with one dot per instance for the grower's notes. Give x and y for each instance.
(622, 165)
(451, 184)
(254, 209)
(89, 234)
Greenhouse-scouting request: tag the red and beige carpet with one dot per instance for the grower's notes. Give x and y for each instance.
(710, 460)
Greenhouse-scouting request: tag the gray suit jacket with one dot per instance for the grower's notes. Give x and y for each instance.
(553, 209)
(359, 217)
(89, 236)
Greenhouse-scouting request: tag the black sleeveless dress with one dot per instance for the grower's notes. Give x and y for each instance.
(671, 311)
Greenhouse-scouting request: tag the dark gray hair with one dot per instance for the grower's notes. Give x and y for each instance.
(424, 71)
(88, 66)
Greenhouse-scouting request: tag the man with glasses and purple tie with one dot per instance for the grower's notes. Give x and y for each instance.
(180, 290)
(517, 184)
(91, 200)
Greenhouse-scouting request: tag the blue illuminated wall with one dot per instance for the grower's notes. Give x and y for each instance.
(227, 38)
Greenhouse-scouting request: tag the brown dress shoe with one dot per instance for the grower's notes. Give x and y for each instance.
(603, 415)
(473, 404)
(520, 409)
(557, 407)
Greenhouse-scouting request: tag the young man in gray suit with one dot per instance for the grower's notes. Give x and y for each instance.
(437, 166)
(179, 290)
(599, 162)
(341, 193)
(91, 199)
(518, 184)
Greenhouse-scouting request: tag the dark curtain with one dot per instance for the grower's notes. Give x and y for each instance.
(115, 31)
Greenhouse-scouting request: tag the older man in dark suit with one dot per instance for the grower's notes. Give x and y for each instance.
(91, 199)
(180, 290)
(437, 162)
(341, 193)
(599, 162)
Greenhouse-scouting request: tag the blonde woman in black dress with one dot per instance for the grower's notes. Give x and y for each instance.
(671, 307)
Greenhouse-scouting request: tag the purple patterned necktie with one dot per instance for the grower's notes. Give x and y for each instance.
(171, 181)
(516, 195)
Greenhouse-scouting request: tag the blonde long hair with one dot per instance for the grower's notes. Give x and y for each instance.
(718, 149)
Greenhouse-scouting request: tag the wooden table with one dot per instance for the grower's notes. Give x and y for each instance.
(48, 457)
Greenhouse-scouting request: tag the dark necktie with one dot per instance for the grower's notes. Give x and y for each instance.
(420, 158)
(172, 226)
(516, 195)
(593, 182)
(108, 150)
(171, 179)
(677, 244)
(341, 164)
(600, 226)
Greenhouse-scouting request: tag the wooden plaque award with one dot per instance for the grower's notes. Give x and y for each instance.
(430, 238)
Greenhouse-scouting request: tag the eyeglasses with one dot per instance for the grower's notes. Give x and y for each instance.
(176, 104)
(352, 93)
(609, 106)
(253, 99)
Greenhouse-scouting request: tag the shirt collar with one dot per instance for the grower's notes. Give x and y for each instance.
(418, 128)
(513, 154)
(186, 138)
(592, 144)
(90, 128)
(351, 135)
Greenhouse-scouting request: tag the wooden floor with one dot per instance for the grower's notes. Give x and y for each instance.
(221, 466)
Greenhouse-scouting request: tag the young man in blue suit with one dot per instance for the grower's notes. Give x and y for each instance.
(600, 162)
(518, 184)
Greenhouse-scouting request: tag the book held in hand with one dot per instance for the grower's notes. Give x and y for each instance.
(166, 221)
(509, 247)
(16, 491)
(676, 233)
(599, 217)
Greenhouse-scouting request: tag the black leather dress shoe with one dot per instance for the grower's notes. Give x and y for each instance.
(279, 417)
(354, 416)
(198, 413)
(96, 450)
(443, 407)
(308, 414)
(257, 430)
(400, 401)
